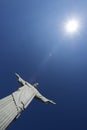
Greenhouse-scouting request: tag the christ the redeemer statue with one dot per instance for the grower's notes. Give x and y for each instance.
(12, 105)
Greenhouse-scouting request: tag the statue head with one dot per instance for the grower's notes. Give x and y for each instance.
(36, 85)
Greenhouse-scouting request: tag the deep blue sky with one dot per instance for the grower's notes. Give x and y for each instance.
(33, 43)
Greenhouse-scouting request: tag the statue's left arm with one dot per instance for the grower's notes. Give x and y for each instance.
(20, 80)
(43, 99)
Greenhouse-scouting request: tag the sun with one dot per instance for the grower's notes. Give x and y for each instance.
(72, 26)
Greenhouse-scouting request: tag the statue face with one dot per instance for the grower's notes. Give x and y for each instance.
(36, 85)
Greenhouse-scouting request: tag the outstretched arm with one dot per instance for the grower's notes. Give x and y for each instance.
(43, 99)
(20, 80)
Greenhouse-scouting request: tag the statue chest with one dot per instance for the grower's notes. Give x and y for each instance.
(24, 95)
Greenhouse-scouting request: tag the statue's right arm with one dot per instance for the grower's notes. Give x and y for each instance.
(44, 99)
(20, 80)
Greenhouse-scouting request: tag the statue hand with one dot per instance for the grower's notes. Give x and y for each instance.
(50, 101)
(17, 75)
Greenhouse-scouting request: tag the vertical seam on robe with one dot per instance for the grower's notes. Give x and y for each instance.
(16, 106)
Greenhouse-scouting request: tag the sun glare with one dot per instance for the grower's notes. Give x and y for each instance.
(72, 26)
